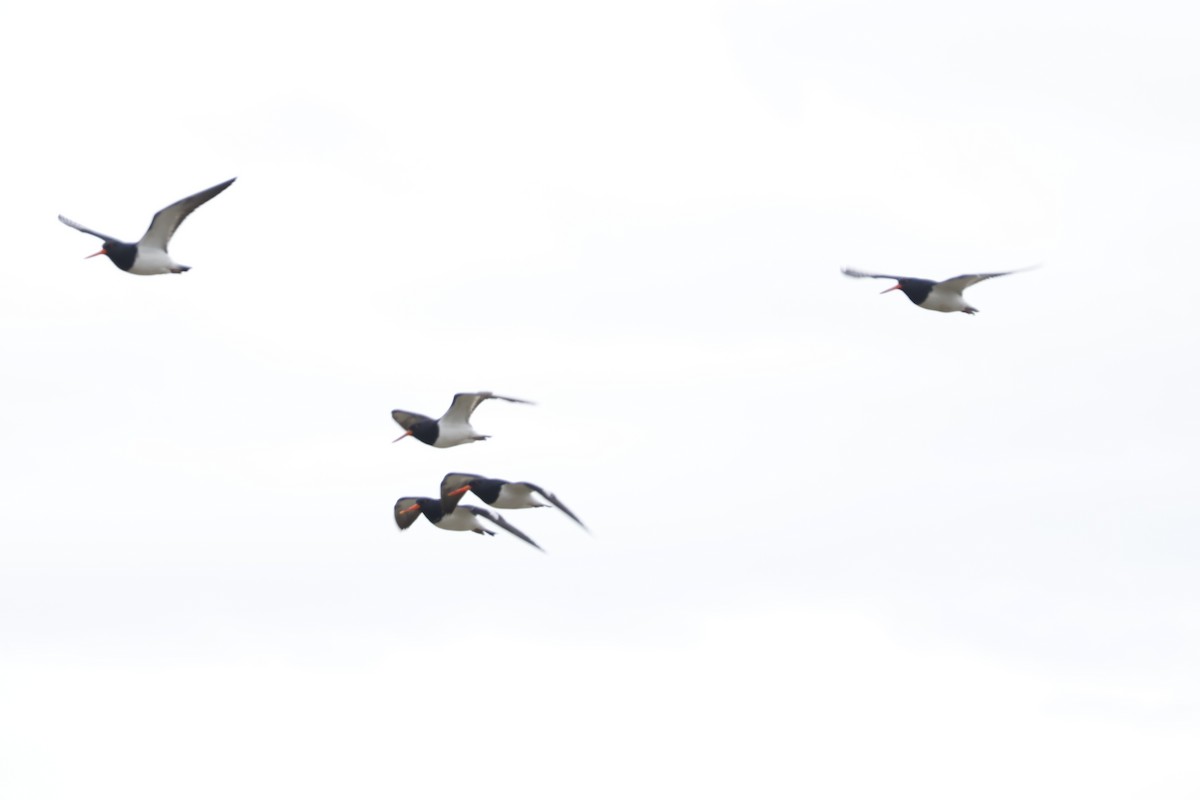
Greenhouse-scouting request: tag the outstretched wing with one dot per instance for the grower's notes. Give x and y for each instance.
(89, 231)
(165, 222)
(499, 520)
(450, 484)
(465, 403)
(557, 504)
(960, 282)
(853, 273)
(407, 510)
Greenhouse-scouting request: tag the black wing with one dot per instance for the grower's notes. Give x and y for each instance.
(557, 504)
(465, 403)
(853, 273)
(165, 222)
(499, 520)
(79, 227)
(960, 282)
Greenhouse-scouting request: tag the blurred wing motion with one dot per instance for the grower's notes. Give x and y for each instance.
(558, 504)
(853, 273)
(496, 519)
(89, 231)
(957, 284)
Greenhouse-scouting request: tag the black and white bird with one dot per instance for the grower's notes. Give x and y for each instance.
(499, 493)
(149, 255)
(944, 295)
(453, 427)
(461, 518)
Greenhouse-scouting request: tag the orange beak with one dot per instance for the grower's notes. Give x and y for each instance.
(460, 490)
(102, 252)
(413, 507)
(894, 288)
(401, 436)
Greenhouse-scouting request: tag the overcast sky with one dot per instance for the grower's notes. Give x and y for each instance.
(844, 547)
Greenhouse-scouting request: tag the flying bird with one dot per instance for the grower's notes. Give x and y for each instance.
(149, 255)
(498, 493)
(461, 518)
(453, 427)
(944, 295)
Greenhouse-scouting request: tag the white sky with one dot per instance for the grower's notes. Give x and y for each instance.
(844, 547)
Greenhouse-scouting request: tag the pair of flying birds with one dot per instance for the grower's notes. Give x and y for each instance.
(148, 256)
(451, 429)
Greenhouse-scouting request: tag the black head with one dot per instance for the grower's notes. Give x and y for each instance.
(487, 489)
(917, 289)
(432, 509)
(424, 431)
(120, 253)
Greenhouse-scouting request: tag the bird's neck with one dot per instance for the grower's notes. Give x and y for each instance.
(488, 490)
(426, 432)
(121, 254)
(432, 511)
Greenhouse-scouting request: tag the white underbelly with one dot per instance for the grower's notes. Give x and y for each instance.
(155, 262)
(944, 301)
(450, 435)
(458, 520)
(515, 496)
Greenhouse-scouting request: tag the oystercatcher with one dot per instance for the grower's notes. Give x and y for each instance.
(149, 255)
(934, 295)
(498, 493)
(453, 427)
(462, 518)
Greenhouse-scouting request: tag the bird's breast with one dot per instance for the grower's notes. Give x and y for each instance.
(514, 495)
(942, 300)
(151, 261)
(452, 433)
(458, 520)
